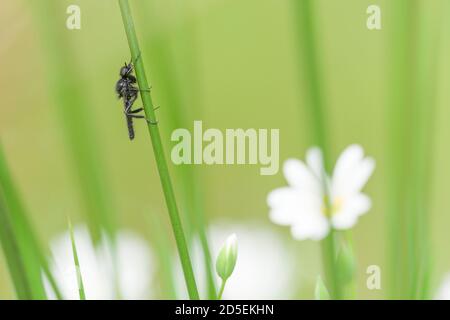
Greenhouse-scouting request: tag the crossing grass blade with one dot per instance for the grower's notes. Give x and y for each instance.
(77, 264)
(304, 14)
(25, 256)
(11, 251)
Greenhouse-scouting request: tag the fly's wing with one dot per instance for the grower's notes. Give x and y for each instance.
(130, 127)
(127, 108)
(132, 94)
(119, 88)
(127, 104)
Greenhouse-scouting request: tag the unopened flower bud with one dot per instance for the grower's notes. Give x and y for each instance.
(226, 260)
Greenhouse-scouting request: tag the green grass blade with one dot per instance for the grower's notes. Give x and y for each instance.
(158, 150)
(311, 71)
(23, 238)
(77, 264)
(308, 55)
(399, 82)
(428, 26)
(414, 39)
(12, 254)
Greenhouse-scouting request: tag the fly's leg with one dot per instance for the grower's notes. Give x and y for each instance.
(132, 114)
(136, 110)
(136, 116)
(131, 98)
(140, 109)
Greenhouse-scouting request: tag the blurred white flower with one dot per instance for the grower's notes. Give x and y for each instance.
(264, 269)
(130, 280)
(444, 290)
(302, 205)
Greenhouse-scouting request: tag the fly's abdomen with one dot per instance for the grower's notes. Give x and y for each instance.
(130, 127)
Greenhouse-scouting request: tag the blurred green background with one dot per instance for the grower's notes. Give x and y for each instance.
(235, 65)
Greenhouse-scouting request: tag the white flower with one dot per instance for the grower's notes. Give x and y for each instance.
(302, 205)
(265, 268)
(128, 278)
(444, 290)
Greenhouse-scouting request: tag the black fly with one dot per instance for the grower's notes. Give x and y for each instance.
(127, 90)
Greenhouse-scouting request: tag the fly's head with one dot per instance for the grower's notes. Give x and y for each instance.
(126, 70)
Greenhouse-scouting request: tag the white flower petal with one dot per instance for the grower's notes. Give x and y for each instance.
(312, 226)
(299, 176)
(363, 173)
(301, 204)
(314, 159)
(291, 206)
(351, 209)
(345, 165)
(284, 204)
(351, 172)
(279, 196)
(351, 155)
(282, 216)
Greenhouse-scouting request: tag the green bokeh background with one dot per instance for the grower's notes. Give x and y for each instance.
(246, 76)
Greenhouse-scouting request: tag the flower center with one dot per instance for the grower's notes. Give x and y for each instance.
(334, 205)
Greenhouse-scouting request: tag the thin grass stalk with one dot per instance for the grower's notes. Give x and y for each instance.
(306, 31)
(158, 150)
(411, 109)
(221, 289)
(73, 108)
(159, 44)
(77, 264)
(399, 88)
(428, 26)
